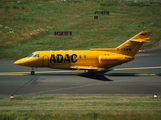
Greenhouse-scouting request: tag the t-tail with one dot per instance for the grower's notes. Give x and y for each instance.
(132, 46)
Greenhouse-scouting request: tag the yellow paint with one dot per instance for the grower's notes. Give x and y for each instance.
(137, 68)
(91, 60)
(141, 74)
(13, 73)
(152, 74)
(27, 73)
(147, 74)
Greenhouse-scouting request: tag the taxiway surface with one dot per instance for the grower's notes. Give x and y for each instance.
(141, 76)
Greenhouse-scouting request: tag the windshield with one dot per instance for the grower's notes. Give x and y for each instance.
(30, 55)
(33, 55)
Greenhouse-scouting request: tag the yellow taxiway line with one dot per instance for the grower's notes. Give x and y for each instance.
(26, 73)
(137, 68)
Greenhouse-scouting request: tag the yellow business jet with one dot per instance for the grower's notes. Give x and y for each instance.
(91, 60)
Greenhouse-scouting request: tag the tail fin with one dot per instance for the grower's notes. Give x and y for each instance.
(132, 46)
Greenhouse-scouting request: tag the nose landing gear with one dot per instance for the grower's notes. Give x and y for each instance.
(32, 72)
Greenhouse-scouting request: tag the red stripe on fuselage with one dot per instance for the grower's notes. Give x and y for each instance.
(109, 59)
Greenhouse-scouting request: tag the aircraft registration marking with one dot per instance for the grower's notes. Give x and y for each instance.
(124, 49)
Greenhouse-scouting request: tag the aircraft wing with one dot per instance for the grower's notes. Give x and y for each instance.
(85, 68)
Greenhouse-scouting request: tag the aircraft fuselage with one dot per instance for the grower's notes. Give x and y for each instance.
(66, 59)
(91, 60)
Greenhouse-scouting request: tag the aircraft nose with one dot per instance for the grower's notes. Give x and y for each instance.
(18, 62)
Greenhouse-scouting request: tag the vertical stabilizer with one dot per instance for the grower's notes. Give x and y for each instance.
(132, 46)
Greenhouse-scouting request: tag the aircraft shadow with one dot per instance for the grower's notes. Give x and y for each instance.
(102, 75)
(122, 74)
(158, 74)
(99, 75)
(95, 76)
(85, 75)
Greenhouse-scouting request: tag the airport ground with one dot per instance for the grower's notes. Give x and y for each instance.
(138, 77)
(75, 95)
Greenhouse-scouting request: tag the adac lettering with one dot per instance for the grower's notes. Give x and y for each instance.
(63, 59)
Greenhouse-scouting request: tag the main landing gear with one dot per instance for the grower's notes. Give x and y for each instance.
(32, 72)
(90, 72)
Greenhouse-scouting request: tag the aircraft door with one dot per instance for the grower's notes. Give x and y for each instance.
(45, 61)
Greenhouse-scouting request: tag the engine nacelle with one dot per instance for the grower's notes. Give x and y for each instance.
(113, 59)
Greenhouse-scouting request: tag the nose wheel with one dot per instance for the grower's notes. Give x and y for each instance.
(32, 72)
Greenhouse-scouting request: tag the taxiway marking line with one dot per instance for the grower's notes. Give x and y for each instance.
(146, 74)
(81, 86)
(26, 73)
(137, 68)
(152, 74)
(142, 74)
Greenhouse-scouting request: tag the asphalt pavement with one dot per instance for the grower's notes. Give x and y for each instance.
(142, 76)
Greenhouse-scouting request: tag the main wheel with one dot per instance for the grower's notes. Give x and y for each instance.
(90, 72)
(32, 73)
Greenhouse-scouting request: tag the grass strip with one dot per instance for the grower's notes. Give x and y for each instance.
(29, 25)
(126, 115)
(79, 107)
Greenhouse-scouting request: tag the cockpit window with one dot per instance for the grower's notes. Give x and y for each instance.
(30, 55)
(34, 55)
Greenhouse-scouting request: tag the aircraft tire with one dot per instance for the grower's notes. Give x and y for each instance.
(32, 73)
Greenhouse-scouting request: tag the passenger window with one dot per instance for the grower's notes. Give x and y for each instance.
(80, 56)
(84, 56)
(38, 55)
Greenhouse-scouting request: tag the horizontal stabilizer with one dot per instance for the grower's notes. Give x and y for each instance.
(132, 46)
(141, 37)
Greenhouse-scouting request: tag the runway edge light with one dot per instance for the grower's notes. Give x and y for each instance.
(12, 96)
(155, 96)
